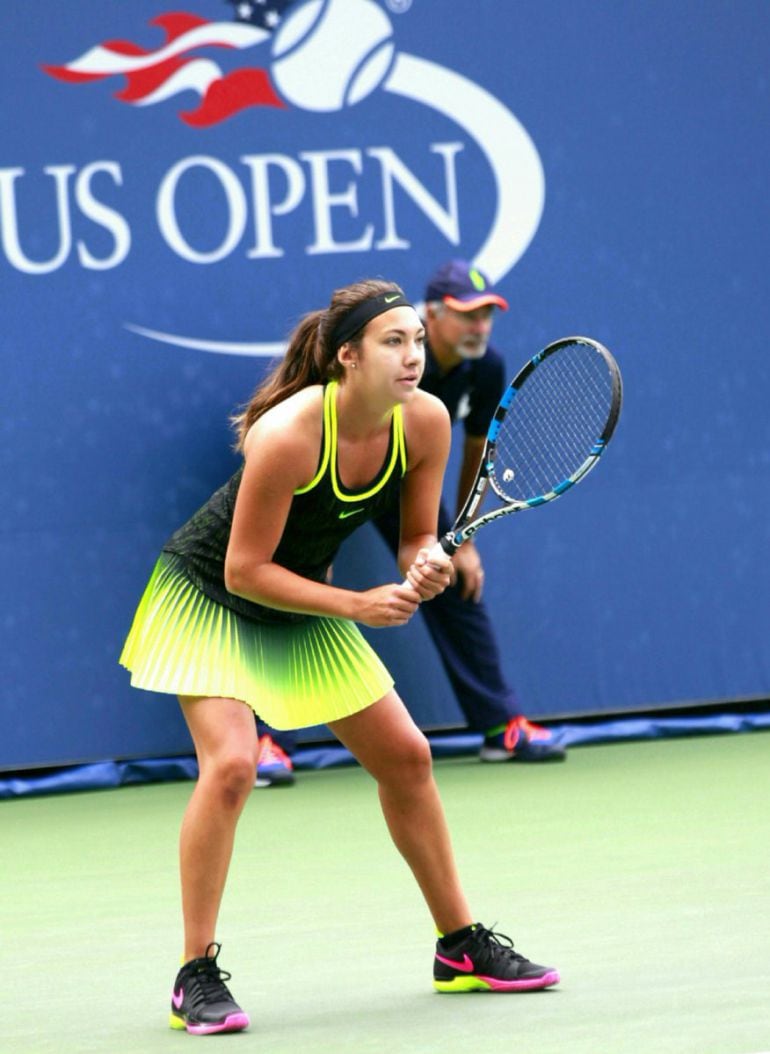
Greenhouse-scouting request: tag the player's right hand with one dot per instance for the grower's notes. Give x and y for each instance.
(390, 605)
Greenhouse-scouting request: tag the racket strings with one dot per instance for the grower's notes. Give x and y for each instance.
(553, 423)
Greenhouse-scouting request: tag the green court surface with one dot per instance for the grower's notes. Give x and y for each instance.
(640, 870)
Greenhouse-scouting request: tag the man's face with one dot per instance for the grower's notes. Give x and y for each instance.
(466, 333)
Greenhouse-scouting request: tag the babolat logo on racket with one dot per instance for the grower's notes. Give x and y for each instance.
(278, 61)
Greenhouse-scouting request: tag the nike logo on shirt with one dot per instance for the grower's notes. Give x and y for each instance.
(353, 512)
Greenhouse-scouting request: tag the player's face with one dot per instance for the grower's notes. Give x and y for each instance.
(466, 333)
(393, 351)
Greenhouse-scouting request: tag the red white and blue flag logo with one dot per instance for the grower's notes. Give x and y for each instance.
(156, 74)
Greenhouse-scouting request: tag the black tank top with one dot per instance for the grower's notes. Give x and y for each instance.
(321, 516)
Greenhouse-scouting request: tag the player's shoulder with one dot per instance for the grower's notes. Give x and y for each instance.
(289, 425)
(428, 428)
(427, 424)
(425, 408)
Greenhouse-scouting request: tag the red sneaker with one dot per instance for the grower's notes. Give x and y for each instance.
(522, 740)
(274, 767)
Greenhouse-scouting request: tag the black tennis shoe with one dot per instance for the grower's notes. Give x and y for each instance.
(479, 960)
(201, 1001)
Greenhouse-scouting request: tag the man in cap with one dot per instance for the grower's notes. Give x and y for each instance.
(469, 377)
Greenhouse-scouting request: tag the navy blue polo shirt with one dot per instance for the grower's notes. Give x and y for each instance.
(470, 391)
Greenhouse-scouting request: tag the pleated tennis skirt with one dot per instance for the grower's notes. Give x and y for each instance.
(292, 675)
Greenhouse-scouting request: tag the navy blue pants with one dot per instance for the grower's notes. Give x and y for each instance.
(464, 637)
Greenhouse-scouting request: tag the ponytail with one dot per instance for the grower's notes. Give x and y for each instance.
(300, 367)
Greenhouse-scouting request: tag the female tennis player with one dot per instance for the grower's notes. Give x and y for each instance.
(239, 617)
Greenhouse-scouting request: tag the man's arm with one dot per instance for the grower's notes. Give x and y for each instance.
(472, 451)
(467, 561)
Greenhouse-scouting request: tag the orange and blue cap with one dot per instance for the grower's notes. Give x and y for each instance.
(463, 287)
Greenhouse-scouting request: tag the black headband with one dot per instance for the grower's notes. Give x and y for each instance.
(358, 316)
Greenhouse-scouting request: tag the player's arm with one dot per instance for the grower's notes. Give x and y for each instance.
(428, 437)
(278, 460)
(281, 454)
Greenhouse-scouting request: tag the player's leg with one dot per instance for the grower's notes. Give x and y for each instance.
(468, 956)
(386, 741)
(225, 738)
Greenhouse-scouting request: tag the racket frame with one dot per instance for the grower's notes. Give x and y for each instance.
(467, 523)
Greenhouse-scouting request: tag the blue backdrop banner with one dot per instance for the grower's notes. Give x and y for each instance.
(178, 187)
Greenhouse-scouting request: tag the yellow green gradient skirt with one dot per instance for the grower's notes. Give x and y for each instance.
(292, 674)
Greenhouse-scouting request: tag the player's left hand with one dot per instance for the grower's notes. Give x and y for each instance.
(429, 578)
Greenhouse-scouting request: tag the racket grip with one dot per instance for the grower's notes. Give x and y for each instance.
(442, 546)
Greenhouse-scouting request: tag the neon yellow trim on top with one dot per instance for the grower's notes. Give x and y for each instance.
(329, 456)
(397, 453)
(399, 440)
(328, 402)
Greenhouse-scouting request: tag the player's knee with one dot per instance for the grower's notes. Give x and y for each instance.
(234, 777)
(414, 759)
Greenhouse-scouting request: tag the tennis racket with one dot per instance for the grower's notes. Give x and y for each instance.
(552, 425)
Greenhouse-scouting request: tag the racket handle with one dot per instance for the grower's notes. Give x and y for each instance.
(442, 546)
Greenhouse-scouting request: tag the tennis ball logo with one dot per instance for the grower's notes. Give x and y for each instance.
(329, 54)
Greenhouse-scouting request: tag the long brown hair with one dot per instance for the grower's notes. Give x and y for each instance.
(310, 356)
